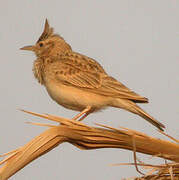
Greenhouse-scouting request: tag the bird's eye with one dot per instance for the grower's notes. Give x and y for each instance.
(41, 44)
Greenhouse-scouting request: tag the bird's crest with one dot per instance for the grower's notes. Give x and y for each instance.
(48, 31)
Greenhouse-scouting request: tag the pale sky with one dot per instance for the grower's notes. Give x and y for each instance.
(136, 42)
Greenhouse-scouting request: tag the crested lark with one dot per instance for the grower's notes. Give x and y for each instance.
(78, 82)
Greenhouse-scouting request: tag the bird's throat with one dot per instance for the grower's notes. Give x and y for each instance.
(38, 70)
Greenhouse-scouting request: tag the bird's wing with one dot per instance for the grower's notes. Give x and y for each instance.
(116, 89)
(77, 70)
(83, 72)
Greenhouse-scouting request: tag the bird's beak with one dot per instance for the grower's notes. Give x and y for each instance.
(28, 48)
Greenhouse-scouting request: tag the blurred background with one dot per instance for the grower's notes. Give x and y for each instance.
(135, 41)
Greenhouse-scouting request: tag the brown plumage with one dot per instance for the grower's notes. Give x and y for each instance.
(78, 82)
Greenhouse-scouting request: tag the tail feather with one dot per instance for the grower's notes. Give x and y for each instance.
(149, 118)
(134, 108)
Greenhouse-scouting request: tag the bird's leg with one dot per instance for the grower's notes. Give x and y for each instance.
(85, 111)
(84, 116)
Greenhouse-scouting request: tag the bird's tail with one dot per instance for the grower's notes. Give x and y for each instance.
(134, 108)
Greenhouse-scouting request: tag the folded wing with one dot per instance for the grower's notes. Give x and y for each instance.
(77, 70)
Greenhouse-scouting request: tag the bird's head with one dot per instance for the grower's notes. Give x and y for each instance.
(48, 44)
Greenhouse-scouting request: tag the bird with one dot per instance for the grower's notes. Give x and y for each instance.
(78, 82)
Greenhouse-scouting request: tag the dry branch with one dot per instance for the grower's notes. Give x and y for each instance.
(85, 137)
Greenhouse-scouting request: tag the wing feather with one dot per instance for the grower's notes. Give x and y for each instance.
(83, 72)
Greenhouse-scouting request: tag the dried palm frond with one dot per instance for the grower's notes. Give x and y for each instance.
(86, 137)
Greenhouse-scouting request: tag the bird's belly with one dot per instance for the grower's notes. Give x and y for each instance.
(74, 98)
